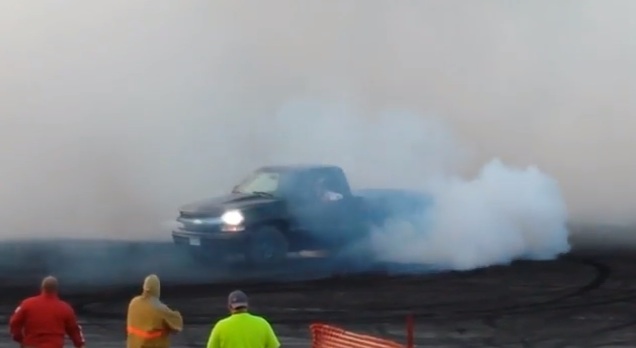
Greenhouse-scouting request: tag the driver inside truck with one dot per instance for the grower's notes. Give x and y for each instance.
(325, 194)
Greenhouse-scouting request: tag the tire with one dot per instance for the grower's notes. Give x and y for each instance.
(266, 246)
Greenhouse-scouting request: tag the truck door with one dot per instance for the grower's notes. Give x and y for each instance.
(321, 224)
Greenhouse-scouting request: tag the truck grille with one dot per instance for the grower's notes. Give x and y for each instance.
(200, 227)
(207, 214)
(189, 224)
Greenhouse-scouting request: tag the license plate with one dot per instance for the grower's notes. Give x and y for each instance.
(195, 241)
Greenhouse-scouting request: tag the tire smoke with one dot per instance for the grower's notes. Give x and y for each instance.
(116, 113)
(503, 214)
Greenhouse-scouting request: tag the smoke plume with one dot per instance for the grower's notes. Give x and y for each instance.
(502, 214)
(115, 113)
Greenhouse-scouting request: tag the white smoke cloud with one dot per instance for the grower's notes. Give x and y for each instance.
(115, 113)
(502, 215)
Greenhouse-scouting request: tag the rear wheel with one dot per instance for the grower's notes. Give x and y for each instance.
(266, 246)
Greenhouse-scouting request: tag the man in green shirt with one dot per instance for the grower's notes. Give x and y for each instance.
(242, 329)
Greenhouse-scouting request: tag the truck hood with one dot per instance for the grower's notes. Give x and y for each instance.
(217, 205)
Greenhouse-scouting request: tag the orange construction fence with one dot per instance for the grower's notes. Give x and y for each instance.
(327, 336)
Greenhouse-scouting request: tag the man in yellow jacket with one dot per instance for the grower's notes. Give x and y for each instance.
(149, 321)
(242, 329)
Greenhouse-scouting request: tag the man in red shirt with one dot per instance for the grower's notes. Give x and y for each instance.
(43, 321)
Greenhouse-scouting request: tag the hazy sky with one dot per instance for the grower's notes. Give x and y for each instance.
(113, 113)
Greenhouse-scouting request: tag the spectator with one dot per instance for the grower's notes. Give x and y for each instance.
(149, 321)
(43, 321)
(242, 329)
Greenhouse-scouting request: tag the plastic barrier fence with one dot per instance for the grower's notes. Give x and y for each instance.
(327, 336)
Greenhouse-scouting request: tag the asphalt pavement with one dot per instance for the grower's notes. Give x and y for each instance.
(584, 299)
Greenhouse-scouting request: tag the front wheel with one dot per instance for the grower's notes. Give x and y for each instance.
(266, 246)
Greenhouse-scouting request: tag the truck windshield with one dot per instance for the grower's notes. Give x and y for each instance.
(259, 183)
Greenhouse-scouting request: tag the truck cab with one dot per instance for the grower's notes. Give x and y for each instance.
(273, 211)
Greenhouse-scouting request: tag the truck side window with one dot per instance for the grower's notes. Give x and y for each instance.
(302, 190)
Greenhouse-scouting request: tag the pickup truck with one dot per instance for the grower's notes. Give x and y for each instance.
(278, 210)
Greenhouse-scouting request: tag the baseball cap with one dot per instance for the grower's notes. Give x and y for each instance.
(236, 299)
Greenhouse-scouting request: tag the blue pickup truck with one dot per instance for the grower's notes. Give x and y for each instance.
(279, 210)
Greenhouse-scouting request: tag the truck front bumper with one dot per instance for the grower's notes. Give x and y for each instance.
(221, 241)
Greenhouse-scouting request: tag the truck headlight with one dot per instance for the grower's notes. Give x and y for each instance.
(232, 217)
